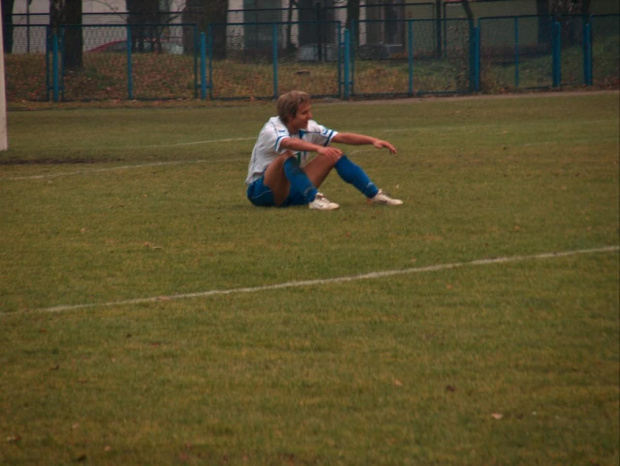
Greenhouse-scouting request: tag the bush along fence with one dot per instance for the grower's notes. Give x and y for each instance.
(261, 60)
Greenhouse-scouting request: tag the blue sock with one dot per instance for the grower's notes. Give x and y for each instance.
(353, 174)
(300, 183)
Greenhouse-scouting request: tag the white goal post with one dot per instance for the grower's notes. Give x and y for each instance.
(4, 139)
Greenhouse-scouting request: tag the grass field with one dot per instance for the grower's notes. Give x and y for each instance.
(150, 315)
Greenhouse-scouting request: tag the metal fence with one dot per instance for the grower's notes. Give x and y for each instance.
(533, 52)
(331, 10)
(260, 60)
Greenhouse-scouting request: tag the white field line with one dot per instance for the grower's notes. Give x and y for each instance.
(194, 143)
(326, 281)
(140, 165)
(109, 169)
(190, 162)
(504, 127)
(418, 129)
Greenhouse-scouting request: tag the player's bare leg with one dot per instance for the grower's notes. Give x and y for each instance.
(318, 169)
(276, 180)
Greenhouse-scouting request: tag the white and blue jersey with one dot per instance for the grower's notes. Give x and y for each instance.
(267, 147)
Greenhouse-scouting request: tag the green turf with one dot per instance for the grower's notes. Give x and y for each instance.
(509, 362)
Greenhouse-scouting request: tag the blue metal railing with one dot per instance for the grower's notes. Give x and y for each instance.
(412, 57)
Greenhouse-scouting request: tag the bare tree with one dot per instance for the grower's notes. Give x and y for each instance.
(544, 21)
(66, 22)
(468, 12)
(292, 4)
(570, 7)
(567, 12)
(144, 17)
(545, 9)
(7, 25)
(353, 16)
(209, 12)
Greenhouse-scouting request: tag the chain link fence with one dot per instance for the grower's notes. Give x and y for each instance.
(538, 52)
(263, 58)
(411, 57)
(605, 49)
(516, 53)
(27, 73)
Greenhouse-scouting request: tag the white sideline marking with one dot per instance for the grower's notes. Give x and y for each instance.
(206, 141)
(327, 281)
(141, 165)
(210, 141)
(102, 170)
(504, 126)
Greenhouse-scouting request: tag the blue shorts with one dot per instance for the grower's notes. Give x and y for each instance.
(261, 195)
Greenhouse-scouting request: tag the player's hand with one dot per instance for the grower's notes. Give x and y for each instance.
(332, 153)
(379, 144)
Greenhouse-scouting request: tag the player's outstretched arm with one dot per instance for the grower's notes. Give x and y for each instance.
(355, 139)
(301, 145)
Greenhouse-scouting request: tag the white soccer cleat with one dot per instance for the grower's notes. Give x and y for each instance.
(382, 198)
(322, 203)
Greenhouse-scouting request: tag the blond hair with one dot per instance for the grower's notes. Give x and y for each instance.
(289, 103)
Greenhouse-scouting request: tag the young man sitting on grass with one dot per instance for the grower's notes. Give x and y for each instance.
(280, 173)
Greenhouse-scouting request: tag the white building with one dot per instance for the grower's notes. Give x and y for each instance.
(31, 16)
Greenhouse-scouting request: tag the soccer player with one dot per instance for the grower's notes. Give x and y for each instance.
(280, 173)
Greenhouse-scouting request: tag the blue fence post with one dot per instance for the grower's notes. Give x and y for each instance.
(61, 60)
(203, 66)
(444, 24)
(353, 34)
(410, 54)
(55, 67)
(210, 58)
(347, 60)
(516, 51)
(274, 48)
(477, 59)
(474, 58)
(195, 51)
(587, 52)
(48, 45)
(557, 54)
(340, 58)
(129, 68)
